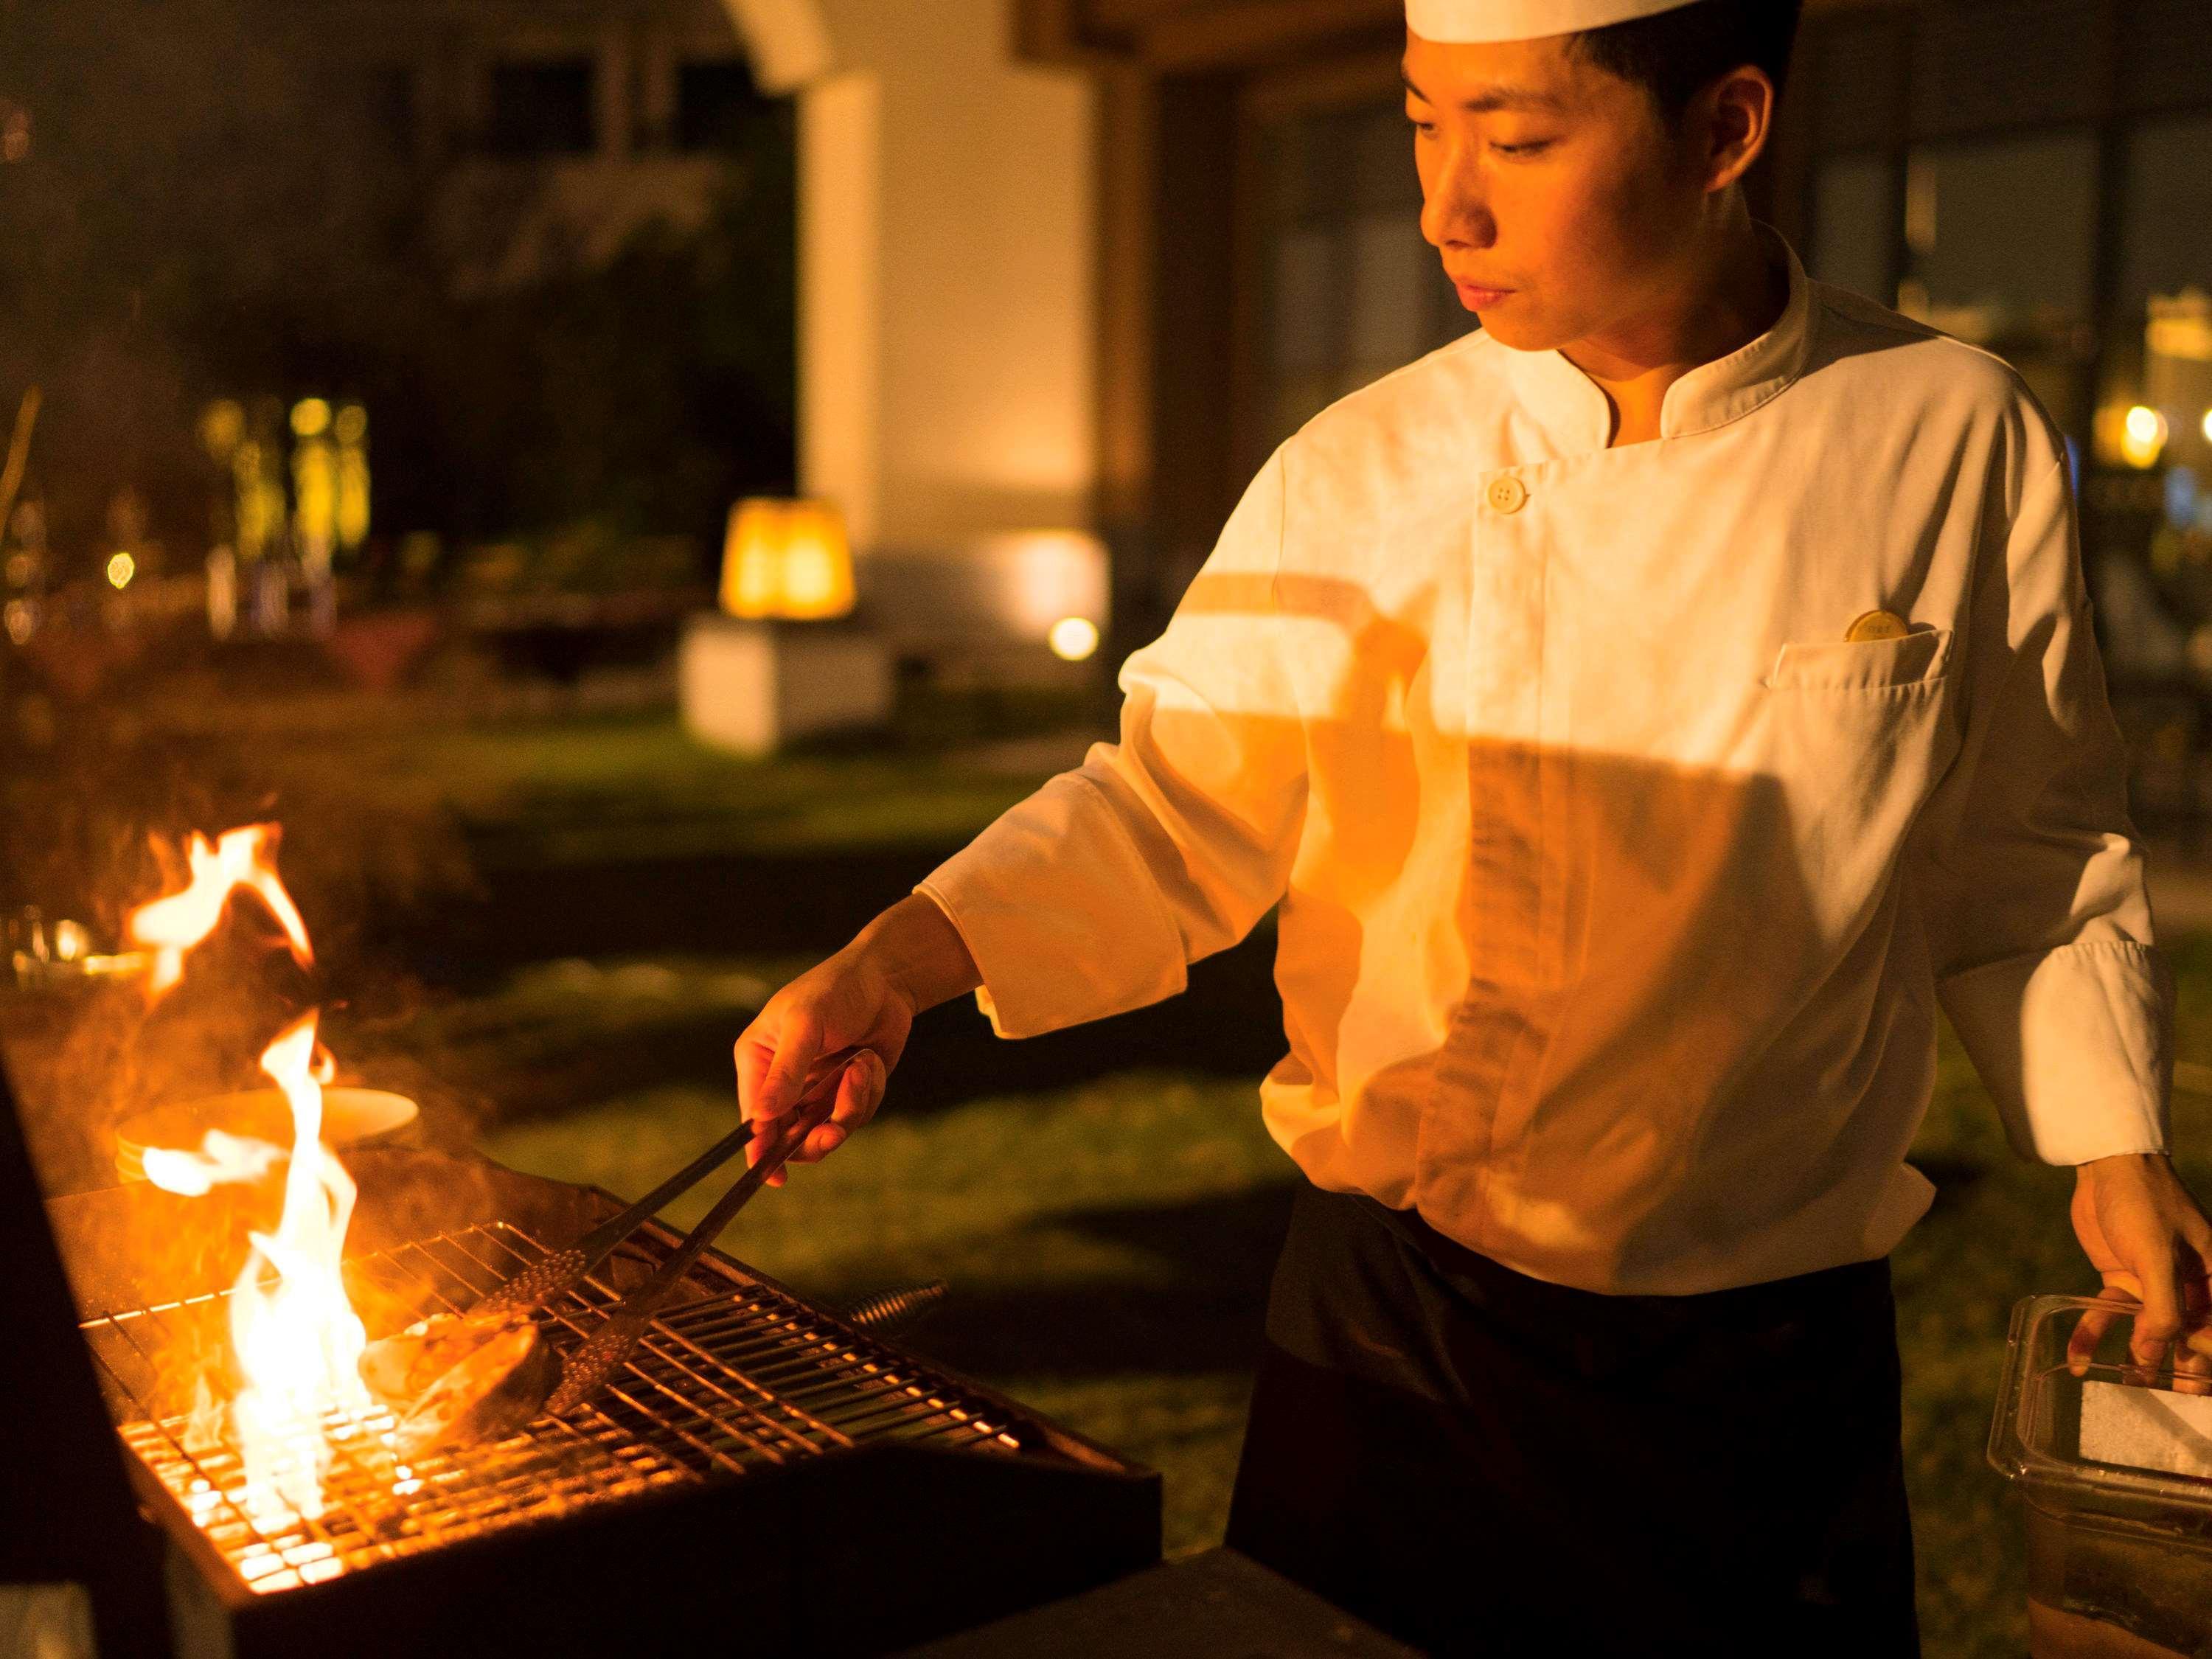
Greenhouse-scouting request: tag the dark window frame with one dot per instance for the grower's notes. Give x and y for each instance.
(512, 128)
(691, 131)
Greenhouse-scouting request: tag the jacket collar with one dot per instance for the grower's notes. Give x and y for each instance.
(1577, 417)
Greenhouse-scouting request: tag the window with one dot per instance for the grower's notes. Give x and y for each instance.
(1855, 225)
(717, 105)
(2002, 235)
(2001, 241)
(2153, 418)
(1350, 290)
(2167, 237)
(542, 108)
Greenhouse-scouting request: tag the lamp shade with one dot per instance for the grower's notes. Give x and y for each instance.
(786, 559)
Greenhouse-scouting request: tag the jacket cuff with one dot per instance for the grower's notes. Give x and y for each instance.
(1062, 917)
(2074, 1045)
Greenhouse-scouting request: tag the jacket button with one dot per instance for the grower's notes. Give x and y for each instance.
(1508, 494)
(1875, 625)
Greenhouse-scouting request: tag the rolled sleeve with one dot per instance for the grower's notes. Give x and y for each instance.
(1094, 896)
(2039, 927)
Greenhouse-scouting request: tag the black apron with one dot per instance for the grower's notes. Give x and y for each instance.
(1480, 1463)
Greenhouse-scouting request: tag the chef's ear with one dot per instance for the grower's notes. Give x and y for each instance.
(1731, 121)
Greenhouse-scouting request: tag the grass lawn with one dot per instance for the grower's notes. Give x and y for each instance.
(1107, 1244)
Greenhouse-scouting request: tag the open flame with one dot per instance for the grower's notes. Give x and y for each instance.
(173, 924)
(223, 1159)
(296, 1337)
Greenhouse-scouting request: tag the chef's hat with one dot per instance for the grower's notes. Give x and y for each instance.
(1457, 22)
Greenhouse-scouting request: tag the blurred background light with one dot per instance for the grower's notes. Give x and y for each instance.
(788, 559)
(2142, 440)
(1073, 639)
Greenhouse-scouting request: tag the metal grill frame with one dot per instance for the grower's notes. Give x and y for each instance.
(743, 1377)
(864, 1550)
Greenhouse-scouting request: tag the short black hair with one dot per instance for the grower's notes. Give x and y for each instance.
(1677, 54)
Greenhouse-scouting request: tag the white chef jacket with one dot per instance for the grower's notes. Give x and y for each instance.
(1618, 890)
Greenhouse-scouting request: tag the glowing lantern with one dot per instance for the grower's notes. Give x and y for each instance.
(786, 559)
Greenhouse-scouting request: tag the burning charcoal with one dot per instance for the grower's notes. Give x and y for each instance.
(491, 1391)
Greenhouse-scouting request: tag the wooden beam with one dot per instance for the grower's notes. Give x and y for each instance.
(1049, 30)
(1193, 35)
(1256, 31)
(1125, 14)
(1129, 225)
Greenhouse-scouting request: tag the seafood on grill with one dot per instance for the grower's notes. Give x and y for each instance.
(458, 1377)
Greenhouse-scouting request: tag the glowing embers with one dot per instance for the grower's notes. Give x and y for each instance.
(377, 1509)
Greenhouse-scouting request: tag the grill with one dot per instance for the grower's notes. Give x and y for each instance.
(762, 1470)
(734, 1381)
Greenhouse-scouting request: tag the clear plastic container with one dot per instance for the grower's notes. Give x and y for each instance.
(2115, 1467)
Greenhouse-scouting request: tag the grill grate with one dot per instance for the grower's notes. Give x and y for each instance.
(730, 1382)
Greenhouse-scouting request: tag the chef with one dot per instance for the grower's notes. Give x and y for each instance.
(1642, 713)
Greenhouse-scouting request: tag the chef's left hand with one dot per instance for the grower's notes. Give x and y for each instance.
(2147, 1237)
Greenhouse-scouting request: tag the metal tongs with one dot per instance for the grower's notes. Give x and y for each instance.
(493, 1389)
(586, 1371)
(564, 1269)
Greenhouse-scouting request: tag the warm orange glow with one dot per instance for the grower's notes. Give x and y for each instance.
(1073, 639)
(222, 1160)
(294, 1332)
(172, 924)
(223, 428)
(786, 559)
(296, 1337)
(350, 427)
(2142, 436)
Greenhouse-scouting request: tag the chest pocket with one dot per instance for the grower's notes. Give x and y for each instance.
(1856, 735)
(1900, 666)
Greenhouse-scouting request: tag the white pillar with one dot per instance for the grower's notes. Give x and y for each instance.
(947, 295)
(948, 305)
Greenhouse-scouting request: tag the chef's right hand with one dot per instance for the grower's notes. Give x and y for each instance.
(864, 998)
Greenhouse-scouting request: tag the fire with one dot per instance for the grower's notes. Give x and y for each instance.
(293, 1329)
(221, 1159)
(298, 1339)
(245, 857)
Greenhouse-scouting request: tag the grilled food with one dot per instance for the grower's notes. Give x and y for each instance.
(452, 1379)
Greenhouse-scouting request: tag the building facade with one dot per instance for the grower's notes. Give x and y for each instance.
(556, 130)
(1069, 268)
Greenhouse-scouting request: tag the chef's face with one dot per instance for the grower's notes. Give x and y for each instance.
(1565, 206)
